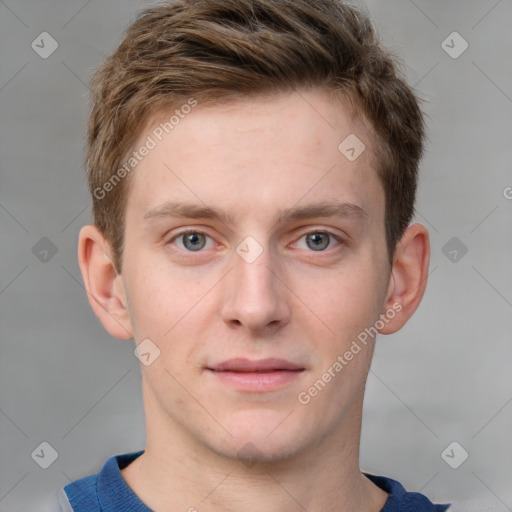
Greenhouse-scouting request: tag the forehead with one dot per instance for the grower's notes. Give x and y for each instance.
(261, 151)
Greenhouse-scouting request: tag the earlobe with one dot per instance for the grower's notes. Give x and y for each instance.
(409, 277)
(105, 290)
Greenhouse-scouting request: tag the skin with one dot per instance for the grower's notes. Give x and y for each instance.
(254, 158)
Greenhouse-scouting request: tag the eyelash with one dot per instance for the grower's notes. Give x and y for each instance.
(196, 231)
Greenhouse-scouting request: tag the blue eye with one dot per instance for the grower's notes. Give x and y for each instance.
(193, 241)
(196, 241)
(318, 241)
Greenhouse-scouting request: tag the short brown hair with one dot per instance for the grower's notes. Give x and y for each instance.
(213, 49)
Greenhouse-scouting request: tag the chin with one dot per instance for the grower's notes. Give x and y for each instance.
(252, 451)
(261, 437)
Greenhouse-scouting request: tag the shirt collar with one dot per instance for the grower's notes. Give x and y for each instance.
(113, 491)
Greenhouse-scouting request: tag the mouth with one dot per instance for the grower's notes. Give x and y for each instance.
(256, 376)
(253, 366)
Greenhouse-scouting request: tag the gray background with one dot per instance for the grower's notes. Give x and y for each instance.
(445, 377)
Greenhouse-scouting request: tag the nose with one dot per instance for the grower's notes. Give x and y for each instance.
(255, 294)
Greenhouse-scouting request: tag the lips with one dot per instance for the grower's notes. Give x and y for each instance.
(256, 376)
(256, 366)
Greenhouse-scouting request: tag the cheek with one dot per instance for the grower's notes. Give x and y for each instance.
(170, 309)
(160, 295)
(348, 305)
(345, 304)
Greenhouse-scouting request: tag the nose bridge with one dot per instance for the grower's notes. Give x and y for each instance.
(255, 296)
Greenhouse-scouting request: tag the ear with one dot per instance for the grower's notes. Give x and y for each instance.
(408, 278)
(104, 287)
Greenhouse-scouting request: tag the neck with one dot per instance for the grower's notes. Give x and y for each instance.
(177, 473)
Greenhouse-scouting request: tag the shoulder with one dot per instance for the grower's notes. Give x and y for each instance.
(399, 500)
(105, 490)
(78, 496)
(83, 494)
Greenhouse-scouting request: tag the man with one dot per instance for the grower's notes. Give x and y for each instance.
(253, 167)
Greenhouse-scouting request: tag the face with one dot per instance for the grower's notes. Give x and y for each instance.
(254, 256)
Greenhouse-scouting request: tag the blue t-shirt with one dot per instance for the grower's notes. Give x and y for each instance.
(107, 491)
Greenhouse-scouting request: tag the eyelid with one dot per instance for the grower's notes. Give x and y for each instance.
(338, 238)
(307, 231)
(171, 240)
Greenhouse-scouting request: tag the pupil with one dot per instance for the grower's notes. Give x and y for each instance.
(191, 241)
(317, 240)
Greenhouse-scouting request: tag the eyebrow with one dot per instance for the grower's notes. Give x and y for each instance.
(172, 209)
